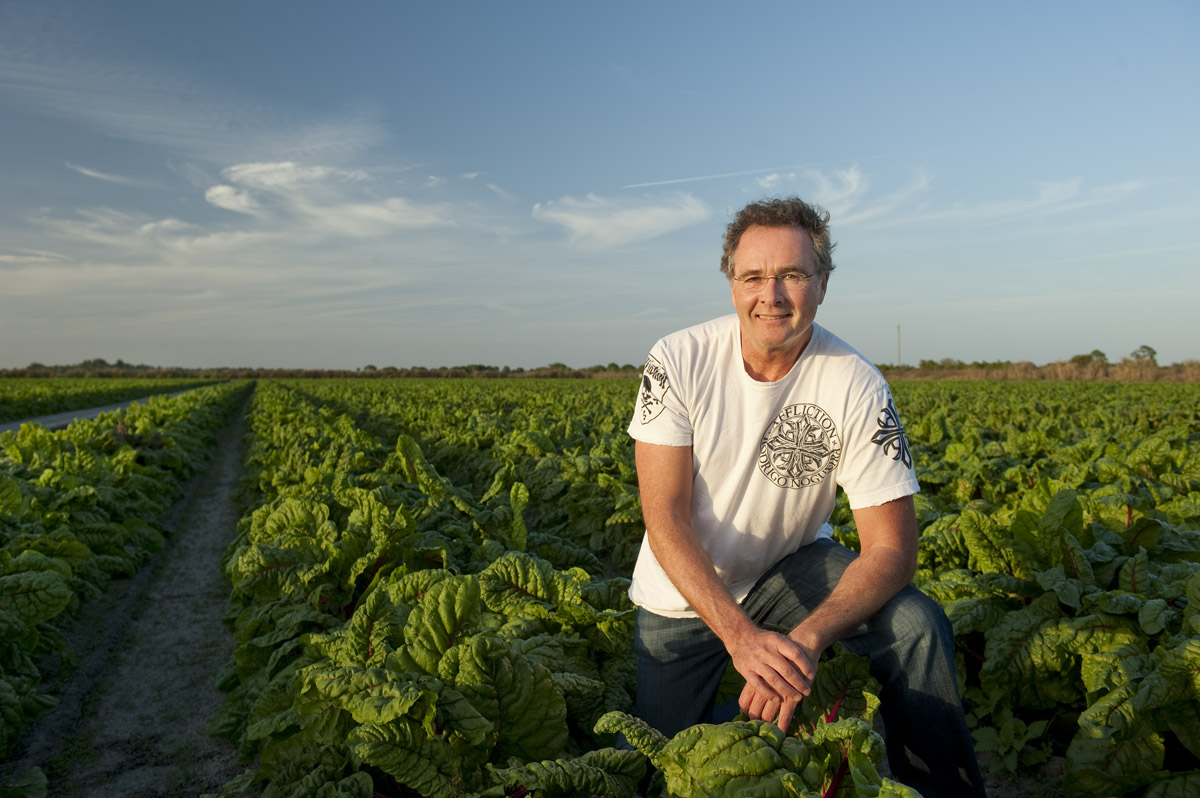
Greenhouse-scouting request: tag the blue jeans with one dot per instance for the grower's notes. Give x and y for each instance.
(909, 642)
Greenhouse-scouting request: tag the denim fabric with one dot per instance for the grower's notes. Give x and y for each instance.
(909, 642)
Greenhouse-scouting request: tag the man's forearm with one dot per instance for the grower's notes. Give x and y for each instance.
(691, 570)
(868, 582)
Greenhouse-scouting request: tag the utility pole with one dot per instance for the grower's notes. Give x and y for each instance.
(899, 360)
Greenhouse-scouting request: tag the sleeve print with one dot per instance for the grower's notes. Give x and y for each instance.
(890, 435)
(654, 389)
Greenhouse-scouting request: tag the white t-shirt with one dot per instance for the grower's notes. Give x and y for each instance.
(767, 457)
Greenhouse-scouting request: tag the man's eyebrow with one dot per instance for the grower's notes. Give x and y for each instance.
(757, 270)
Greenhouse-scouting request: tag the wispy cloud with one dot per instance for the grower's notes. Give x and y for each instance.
(32, 257)
(720, 176)
(1046, 199)
(323, 199)
(153, 104)
(774, 180)
(599, 222)
(124, 181)
(501, 193)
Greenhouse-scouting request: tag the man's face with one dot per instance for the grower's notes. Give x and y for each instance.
(776, 318)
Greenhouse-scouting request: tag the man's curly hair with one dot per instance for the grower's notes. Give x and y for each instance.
(781, 212)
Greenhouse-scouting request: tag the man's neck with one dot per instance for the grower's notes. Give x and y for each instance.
(771, 365)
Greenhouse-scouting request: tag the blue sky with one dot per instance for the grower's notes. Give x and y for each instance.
(317, 185)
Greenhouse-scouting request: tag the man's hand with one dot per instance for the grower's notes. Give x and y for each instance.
(779, 673)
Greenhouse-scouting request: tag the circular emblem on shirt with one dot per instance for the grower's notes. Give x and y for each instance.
(800, 447)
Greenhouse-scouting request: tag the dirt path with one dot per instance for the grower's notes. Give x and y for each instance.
(133, 720)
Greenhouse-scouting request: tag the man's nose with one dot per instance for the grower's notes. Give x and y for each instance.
(774, 292)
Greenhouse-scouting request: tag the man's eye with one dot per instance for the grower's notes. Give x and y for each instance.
(754, 281)
(790, 277)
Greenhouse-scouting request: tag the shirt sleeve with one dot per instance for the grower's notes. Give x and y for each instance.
(660, 415)
(878, 463)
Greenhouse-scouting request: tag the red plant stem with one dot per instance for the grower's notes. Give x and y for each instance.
(836, 781)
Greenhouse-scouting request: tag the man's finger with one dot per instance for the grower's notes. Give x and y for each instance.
(786, 710)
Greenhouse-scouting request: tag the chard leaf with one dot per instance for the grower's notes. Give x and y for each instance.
(1106, 669)
(404, 750)
(1135, 575)
(637, 732)
(269, 571)
(603, 772)
(524, 586)
(1112, 714)
(1156, 616)
(1191, 614)
(517, 696)
(1105, 766)
(518, 498)
(843, 688)
(410, 588)
(320, 784)
(1179, 785)
(1183, 718)
(446, 614)
(372, 695)
(34, 596)
(1023, 657)
(1069, 591)
(741, 758)
(991, 548)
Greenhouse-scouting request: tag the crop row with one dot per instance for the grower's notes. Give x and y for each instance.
(78, 507)
(22, 398)
(400, 634)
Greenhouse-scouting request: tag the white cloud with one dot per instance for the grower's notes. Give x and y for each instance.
(282, 176)
(33, 257)
(501, 193)
(838, 193)
(125, 181)
(771, 181)
(595, 221)
(232, 199)
(164, 226)
(720, 176)
(320, 200)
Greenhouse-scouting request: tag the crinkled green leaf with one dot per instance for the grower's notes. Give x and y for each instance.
(517, 695)
(637, 732)
(403, 749)
(34, 596)
(448, 613)
(991, 549)
(603, 772)
(1106, 766)
(741, 758)
(1179, 785)
(843, 688)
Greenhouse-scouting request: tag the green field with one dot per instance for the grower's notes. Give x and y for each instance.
(23, 397)
(428, 588)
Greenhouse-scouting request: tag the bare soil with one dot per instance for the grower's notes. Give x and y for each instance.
(133, 718)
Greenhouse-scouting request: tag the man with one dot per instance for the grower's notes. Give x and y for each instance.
(745, 427)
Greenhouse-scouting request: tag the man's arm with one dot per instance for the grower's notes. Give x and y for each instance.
(885, 565)
(777, 667)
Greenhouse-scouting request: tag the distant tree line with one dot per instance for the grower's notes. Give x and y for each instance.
(101, 368)
(1140, 366)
